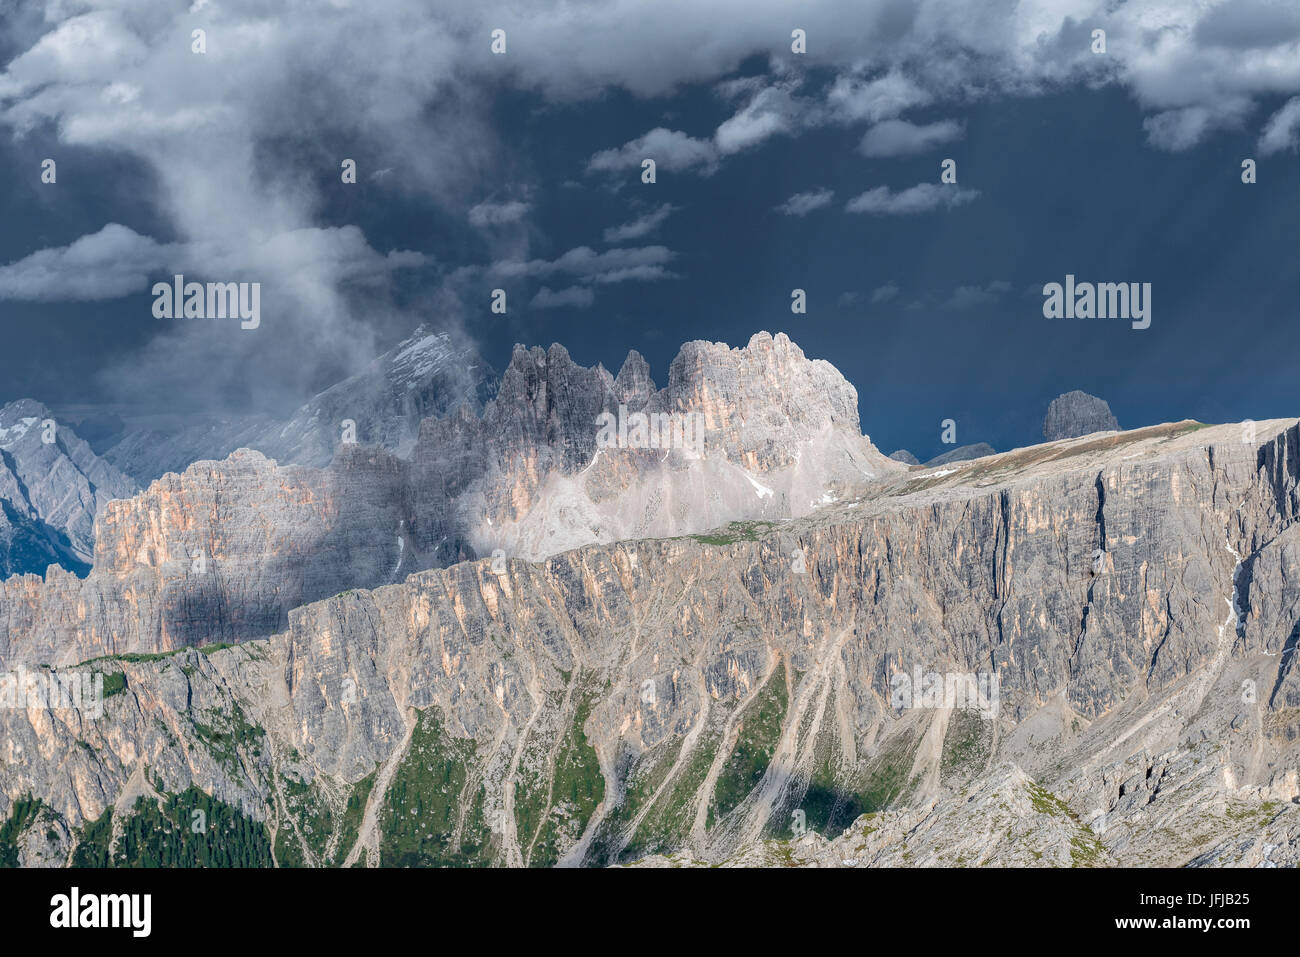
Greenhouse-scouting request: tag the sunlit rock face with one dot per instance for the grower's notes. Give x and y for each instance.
(709, 691)
(224, 549)
(753, 433)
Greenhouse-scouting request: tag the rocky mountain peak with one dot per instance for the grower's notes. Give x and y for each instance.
(761, 400)
(578, 697)
(633, 385)
(1077, 413)
(813, 390)
(783, 570)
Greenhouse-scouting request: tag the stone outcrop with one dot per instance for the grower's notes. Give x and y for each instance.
(1077, 413)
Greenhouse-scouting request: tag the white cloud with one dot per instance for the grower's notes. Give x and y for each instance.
(641, 226)
(921, 198)
(884, 293)
(576, 297)
(901, 138)
(1178, 130)
(670, 149)
(772, 110)
(114, 262)
(497, 214)
(1282, 131)
(410, 87)
(801, 204)
(748, 128)
(854, 99)
(1249, 24)
(739, 87)
(588, 266)
(893, 57)
(210, 132)
(117, 261)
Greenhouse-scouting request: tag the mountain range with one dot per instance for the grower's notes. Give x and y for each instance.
(484, 633)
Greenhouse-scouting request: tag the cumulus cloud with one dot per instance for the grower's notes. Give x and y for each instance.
(891, 57)
(1282, 131)
(901, 138)
(576, 297)
(781, 106)
(114, 262)
(497, 214)
(748, 128)
(771, 110)
(1178, 130)
(1249, 24)
(854, 98)
(670, 149)
(233, 141)
(966, 297)
(640, 263)
(641, 226)
(884, 293)
(801, 204)
(921, 198)
(409, 88)
(117, 261)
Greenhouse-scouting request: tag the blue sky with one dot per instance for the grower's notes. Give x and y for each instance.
(522, 172)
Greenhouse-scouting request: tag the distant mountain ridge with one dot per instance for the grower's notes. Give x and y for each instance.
(781, 438)
(675, 655)
(427, 374)
(52, 485)
(223, 550)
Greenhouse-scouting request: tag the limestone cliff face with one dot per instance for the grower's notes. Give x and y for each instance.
(219, 553)
(1134, 594)
(778, 435)
(222, 551)
(729, 385)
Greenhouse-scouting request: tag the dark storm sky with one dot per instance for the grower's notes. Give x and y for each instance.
(1068, 181)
